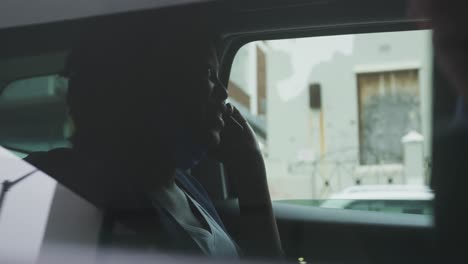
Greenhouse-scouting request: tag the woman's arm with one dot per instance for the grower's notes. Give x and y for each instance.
(245, 167)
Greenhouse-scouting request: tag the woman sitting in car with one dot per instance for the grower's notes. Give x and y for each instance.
(147, 106)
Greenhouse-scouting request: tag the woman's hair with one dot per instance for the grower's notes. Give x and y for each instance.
(125, 66)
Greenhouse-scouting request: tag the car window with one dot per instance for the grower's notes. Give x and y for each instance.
(344, 121)
(33, 114)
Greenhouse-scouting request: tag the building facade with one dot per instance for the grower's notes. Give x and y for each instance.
(336, 109)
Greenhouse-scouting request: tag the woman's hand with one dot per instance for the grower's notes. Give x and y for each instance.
(238, 140)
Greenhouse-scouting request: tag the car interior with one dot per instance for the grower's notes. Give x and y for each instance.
(34, 118)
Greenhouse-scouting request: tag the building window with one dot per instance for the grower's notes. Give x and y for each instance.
(389, 108)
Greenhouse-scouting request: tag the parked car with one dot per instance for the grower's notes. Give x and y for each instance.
(383, 198)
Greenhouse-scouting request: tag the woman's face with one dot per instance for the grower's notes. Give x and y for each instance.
(200, 127)
(216, 103)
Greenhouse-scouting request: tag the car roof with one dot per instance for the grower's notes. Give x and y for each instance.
(38, 34)
(23, 13)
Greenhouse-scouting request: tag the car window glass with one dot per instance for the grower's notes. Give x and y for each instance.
(344, 118)
(33, 114)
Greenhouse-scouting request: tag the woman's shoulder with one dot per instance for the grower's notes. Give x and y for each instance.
(192, 186)
(195, 189)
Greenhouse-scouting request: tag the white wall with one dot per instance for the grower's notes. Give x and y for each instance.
(244, 70)
(333, 62)
(286, 117)
(289, 120)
